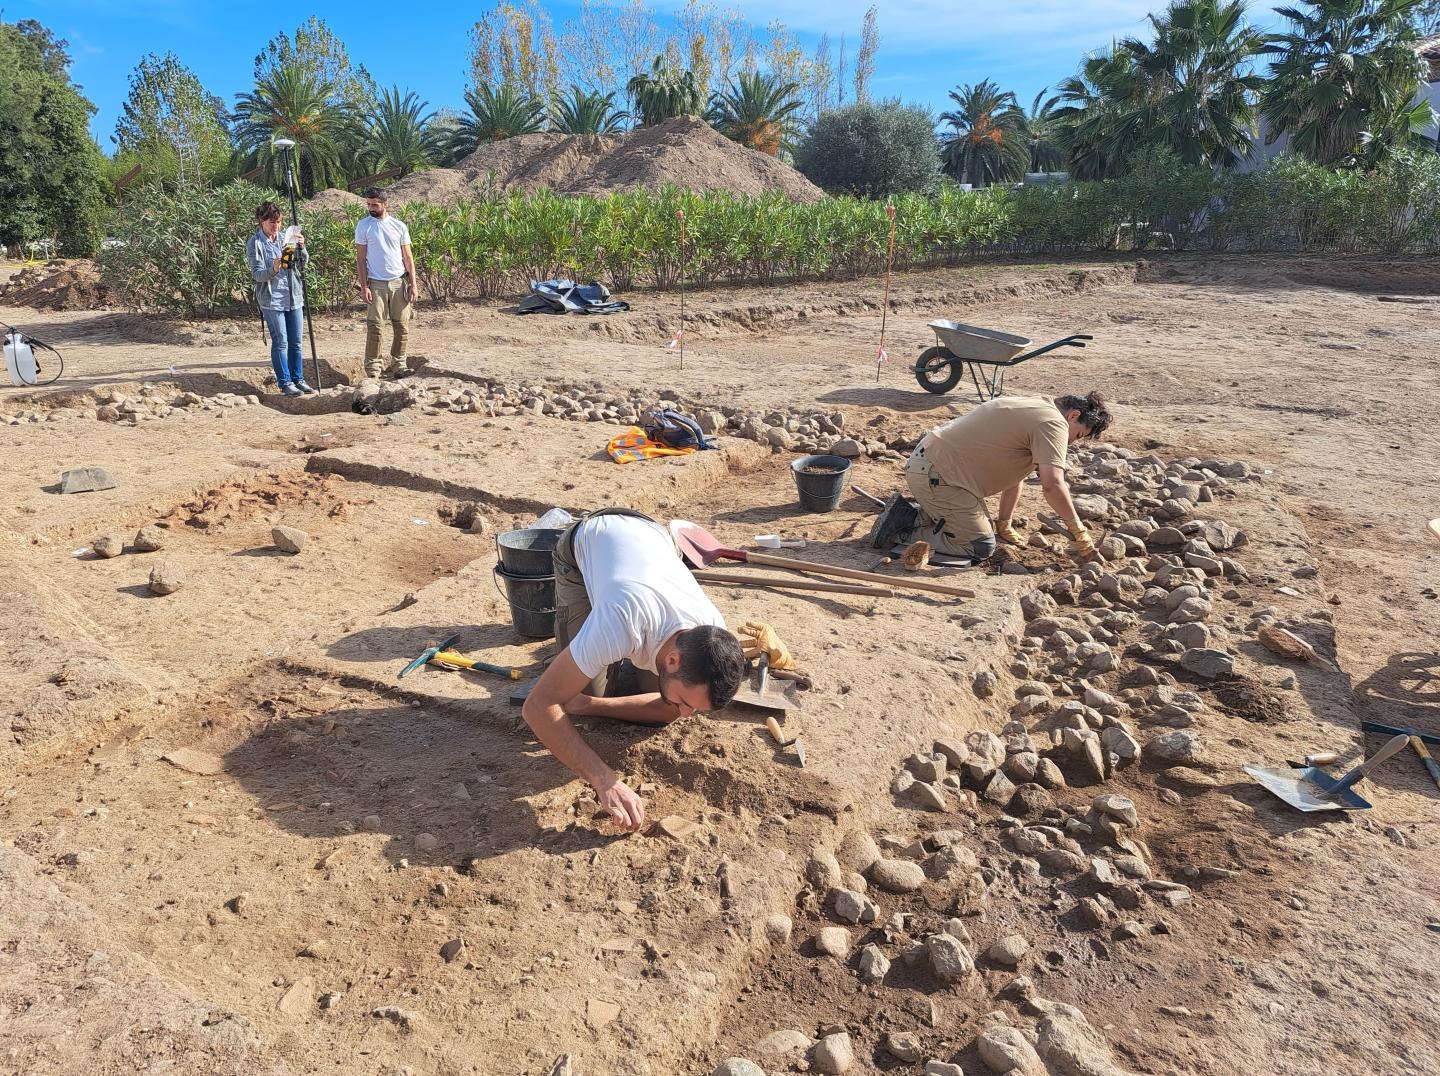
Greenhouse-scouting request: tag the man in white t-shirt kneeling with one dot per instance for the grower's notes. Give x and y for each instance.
(639, 641)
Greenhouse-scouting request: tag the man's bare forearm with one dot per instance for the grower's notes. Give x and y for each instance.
(361, 279)
(558, 733)
(1057, 495)
(647, 708)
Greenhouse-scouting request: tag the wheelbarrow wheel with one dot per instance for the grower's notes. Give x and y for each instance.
(938, 370)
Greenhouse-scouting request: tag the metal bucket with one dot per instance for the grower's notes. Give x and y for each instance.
(532, 602)
(821, 481)
(527, 552)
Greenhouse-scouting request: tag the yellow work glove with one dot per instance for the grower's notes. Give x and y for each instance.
(1082, 546)
(758, 638)
(1006, 532)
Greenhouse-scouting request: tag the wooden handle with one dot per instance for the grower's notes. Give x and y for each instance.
(1393, 746)
(855, 573)
(727, 579)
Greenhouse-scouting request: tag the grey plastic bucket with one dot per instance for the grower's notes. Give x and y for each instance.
(821, 481)
(527, 552)
(532, 603)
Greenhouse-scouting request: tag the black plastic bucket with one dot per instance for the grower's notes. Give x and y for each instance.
(527, 552)
(821, 481)
(532, 603)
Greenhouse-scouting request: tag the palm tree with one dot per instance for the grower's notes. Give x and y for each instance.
(986, 143)
(754, 111)
(1040, 127)
(1344, 79)
(396, 134)
(1201, 92)
(588, 113)
(300, 105)
(495, 115)
(1089, 124)
(664, 93)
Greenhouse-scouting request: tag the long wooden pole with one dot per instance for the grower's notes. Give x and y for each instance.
(880, 356)
(725, 579)
(845, 573)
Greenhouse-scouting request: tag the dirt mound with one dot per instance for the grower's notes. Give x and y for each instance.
(687, 153)
(333, 199)
(683, 152)
(57, 285)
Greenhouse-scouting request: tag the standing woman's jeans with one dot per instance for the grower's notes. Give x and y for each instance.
(285, 354)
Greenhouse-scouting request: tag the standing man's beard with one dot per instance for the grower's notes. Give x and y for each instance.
(377, 212)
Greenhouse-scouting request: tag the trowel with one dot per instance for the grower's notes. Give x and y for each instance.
(762, 693)
(1312, 789)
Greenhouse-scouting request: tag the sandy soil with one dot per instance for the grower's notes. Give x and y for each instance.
(291, 912)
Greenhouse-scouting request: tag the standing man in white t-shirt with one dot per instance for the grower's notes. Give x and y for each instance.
(385, 273)
(640, 642)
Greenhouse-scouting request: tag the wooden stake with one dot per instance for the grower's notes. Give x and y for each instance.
(880, 356)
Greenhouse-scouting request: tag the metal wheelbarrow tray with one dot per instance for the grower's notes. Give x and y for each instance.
(984, 353)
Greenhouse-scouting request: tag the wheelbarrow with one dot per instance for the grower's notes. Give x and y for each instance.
(985, 353)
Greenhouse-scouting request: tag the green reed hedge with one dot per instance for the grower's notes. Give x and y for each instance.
(185, 251)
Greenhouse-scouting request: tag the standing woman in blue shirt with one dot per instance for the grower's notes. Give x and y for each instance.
(280, 295)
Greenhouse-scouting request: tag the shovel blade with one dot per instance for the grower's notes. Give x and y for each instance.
(699, 547)
(1310, 789)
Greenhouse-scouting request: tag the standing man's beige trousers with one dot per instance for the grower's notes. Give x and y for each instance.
(388, 302)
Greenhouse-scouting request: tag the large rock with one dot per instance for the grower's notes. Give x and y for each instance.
(833, 1054)
(149, 539)
(897, 875)
(165, 579)
(85, 480)
(848, 447)
(1009, 950)
(1071, 1046)
(783, 1046)
(873, 966)
(108, 545)
(834, 941)
(1209, 663)
(949, 959)
(858, 850)
(288, 539)
(1007, 1050)
(738, 1066)
(1177, 748)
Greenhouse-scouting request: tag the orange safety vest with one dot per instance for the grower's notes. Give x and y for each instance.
(633, 446)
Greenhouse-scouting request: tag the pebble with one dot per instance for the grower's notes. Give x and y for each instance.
(1117, 806)
(108, 545)
(943, 1068)
(165, 578)
(288, 539)
(853, 907)
(897, 875)
(1175, 748)
(426, 842)
(778, 928)
(858, 850)
(783, 1045)
(983, 684)
(149, 539)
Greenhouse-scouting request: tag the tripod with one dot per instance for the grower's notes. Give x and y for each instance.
(289, 148)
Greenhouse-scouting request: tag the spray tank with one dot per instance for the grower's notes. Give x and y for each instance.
(21, 361)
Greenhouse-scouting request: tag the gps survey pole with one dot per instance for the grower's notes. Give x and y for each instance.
(288, 146)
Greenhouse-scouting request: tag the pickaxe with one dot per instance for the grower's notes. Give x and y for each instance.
(441, 654)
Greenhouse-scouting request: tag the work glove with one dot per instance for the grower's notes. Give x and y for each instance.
(1006, 532)
(758, 638)
(287, 257)
(1082, 546)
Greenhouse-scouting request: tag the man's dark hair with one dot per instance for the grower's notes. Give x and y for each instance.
(375, 192)
(267, 211)
(1094, 415)
(711, 656)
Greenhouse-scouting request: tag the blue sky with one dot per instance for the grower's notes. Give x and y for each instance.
(926, 46)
